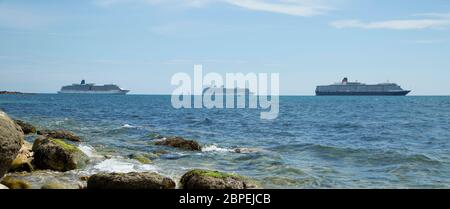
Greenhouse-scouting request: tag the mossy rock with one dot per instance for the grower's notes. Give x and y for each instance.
(55, 154)
(180, 143)
(141, 158)
(207, 179)
(54, 185)
(26, 127)
(22, 163)
(133, 180)
(14, 183)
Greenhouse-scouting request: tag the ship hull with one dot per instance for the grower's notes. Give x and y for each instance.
(384, 93)
(124, 92)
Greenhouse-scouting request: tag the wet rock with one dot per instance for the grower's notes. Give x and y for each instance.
(3, 187)
(142, 158)
(14, 183)
(146, 180)
(26, 127)
(55, 154)
(180, 143)
(11, 138)
(60, 134)
(22, 163)
(54, 185)
(205, 179)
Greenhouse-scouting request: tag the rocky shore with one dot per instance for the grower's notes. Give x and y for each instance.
(55, 153)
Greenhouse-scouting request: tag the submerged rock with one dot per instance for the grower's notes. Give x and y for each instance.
(147, 180)
(54, 185)
(180, 143)
(142, 158)
(60, 134)
(14, 183)
(26, 127)
(11, 138)
(22, 163)
(54, 154)
(205, 179)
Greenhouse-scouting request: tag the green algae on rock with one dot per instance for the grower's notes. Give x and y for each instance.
(14, 183)
(133, 180)
(206, 179)
(55, 154)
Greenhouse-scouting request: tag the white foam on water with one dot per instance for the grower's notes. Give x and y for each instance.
(127, 126)
(215, 148)
(89, 151)
(122, 166)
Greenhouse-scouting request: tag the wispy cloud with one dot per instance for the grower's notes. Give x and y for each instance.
(428, 21)
(304, 8)
(288, 7)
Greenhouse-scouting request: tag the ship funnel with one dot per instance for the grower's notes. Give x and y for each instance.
(345, 81)
(83, 82)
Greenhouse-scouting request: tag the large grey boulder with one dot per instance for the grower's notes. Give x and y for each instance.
(55, 154)
(11, 138)
(134, 180)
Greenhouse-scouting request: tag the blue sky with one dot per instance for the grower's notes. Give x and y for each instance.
(140, 44)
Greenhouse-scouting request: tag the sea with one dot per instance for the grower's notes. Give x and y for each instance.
(316, 142)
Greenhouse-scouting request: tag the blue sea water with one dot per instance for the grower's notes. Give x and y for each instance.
(316, 142)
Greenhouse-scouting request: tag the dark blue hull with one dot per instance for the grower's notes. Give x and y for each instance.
(386, 93)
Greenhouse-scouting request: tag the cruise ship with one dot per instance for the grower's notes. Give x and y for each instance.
(346, 88)
(228, 91)
(90, 88)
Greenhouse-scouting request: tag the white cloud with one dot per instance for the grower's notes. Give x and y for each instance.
(288, 7)
(430, 21)
(303, 8)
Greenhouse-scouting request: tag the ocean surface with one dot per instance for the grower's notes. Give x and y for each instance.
(316, 142)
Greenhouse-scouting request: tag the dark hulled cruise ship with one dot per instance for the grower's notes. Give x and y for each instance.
(346, 88)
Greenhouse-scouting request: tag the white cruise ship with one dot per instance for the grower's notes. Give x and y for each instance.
(90, 88)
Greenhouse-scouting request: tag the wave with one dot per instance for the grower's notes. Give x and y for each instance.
(128, 126)
(215, 148)
(122, 166)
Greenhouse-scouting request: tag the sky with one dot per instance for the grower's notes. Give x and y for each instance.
(140, 44)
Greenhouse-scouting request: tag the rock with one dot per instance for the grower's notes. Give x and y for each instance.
(54, 185)
(14, 183)
(22, 163)
(60, 134)
(142, 158)
(26, 127)
(3, 187)
(205, 179)
(181, 143)
(146, 180)
(11, 138)
(55, 154)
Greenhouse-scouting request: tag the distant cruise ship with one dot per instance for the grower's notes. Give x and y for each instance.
(90, 88)
(229, 91)
(346, 88)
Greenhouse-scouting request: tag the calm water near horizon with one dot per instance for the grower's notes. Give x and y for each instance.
(316, 142)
